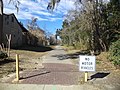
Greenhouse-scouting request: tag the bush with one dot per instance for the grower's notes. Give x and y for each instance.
(3, 55)
(114, 52)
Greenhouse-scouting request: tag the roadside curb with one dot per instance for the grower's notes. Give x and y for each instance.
(46, 87)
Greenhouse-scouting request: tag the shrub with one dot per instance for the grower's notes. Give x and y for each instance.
(114, 52)
(3, 55)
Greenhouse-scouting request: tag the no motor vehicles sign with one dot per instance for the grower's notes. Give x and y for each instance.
(87, 63)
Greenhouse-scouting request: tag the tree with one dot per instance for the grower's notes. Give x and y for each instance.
(32, 25)
(16, 3)
(1, 20)
(93, 26)
(36, 35)
(114, 53)
(94, 22)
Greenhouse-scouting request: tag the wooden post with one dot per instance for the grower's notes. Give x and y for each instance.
(17, 67)
(86, 76)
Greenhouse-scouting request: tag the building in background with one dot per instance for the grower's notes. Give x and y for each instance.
(9, 25)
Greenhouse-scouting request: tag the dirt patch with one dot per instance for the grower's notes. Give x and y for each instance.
(7, 66)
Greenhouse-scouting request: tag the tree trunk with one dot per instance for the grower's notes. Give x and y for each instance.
(1, 21)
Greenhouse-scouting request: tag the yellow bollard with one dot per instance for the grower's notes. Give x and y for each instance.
(86, 76)
(17, 67)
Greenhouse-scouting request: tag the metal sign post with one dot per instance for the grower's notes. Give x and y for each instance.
(86, 76)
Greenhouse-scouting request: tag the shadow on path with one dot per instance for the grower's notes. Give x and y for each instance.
(52, 73)
(71, 56)
(35, 75)
(34, 48)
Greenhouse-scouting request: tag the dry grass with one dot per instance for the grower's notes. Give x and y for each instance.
(30, 58)
(26, 54)
(103, 56)
(67, 48)
(102, 62)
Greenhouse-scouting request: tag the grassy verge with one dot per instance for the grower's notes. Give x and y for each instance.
(102, 62)
(30, 58)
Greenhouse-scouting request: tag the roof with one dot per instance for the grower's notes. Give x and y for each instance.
(22, 27)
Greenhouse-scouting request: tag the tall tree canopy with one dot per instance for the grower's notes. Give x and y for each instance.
(94, 27)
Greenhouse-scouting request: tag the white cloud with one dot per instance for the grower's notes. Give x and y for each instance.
(38, 9)
(54, 19)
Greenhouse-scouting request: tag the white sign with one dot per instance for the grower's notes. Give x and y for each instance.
(87, 63)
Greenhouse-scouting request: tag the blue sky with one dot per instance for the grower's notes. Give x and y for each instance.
(38, 9)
